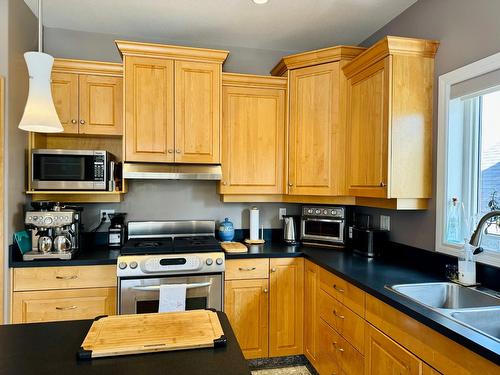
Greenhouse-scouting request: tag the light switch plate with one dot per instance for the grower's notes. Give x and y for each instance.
(106, 212)
(385, 222)
(281, 213)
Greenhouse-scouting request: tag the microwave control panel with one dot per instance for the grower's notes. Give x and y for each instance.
(324, 211)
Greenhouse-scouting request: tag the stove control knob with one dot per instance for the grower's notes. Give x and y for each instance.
(209, 262)
(122, 265)
(318, 212)
(133, 265)
(48, 220)
(219, 261)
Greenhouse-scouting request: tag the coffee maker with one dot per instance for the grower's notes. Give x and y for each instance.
(55, 231)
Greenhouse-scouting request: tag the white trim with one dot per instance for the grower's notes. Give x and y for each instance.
(445, 82)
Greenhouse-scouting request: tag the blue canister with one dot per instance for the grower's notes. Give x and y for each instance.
(226, 230)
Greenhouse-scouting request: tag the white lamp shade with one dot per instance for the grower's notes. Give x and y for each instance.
(40, 113)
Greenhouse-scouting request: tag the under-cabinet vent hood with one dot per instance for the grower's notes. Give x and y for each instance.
(171, 171)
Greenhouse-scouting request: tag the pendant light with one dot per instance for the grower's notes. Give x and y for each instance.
(40, 113)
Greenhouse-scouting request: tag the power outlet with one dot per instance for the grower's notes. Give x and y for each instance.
(385, 222)
(281, 213)
(105, 213)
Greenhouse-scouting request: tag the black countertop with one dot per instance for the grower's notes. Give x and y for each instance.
(50, 348)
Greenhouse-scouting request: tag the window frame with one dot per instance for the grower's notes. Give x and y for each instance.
(445, 82)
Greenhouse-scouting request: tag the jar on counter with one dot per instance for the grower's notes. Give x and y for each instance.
(226, 230)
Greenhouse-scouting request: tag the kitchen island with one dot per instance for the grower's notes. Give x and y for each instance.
(50, 348)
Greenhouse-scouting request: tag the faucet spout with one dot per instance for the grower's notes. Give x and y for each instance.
(475, 239)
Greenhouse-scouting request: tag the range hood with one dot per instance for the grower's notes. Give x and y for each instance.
(147, 171)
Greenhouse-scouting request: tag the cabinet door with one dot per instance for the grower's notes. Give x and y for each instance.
(246, 305)
(253, 136)
(311, 316)
(368, 116)
(101, 105)
(69, 304)
(328, 361)
(197, 112)
(314, 116)
(149, 109)
(286, 306)
(385, 356)
(65, 97)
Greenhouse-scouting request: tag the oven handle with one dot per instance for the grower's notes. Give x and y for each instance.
(321, 219)
(157, 287)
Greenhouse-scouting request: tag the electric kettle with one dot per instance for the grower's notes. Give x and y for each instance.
(291, 229)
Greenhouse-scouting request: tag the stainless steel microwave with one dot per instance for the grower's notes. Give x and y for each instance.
(54, 169)
(323, 226)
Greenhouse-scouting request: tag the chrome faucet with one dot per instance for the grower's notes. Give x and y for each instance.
(475, 239)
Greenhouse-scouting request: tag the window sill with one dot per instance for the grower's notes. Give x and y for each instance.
(489, 257)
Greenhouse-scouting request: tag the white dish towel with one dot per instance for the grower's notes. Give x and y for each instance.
(172, 298)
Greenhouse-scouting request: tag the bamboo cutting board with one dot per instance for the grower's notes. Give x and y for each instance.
(147, 333)
(234, 247)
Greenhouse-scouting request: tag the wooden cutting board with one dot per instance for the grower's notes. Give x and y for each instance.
(146, 333)
(234, 247)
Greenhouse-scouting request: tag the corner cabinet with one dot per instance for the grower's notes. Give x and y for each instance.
(172, 103)
(253, 134)
(389, 119)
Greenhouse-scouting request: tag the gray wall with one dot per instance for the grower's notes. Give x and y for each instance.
(97, 46)
(468, 31)
(169, 199)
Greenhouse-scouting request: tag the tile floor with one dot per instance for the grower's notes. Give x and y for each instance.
(295, 370)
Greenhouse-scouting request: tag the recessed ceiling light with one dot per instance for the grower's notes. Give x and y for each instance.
(260, 2)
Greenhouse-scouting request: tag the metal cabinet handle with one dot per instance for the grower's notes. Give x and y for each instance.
(337, 314)
(170, 151)
(178, 151)
(82, 122)
(290, 184)
(246, 268)
(273, 269)
(338, 289)
(265, 290)
(66, 308)
(74, 121)
(67, 277)
(224, 183)
(341, 350)
(382, 184)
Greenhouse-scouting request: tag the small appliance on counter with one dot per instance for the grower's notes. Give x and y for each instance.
(324, 226)
(366, 240)
(55, 231)
(117, 231)
(291, 232)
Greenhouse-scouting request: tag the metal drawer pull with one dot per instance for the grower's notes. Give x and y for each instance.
(247, 268)
(338, 289)
(273, 269)
(341, 350)
(265, 290)
(157, 287)
(73, 277)
(66, 308)
(338, 315)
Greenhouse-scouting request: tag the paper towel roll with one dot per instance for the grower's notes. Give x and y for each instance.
(254, 224)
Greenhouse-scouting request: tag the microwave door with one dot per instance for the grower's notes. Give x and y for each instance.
(331, 230)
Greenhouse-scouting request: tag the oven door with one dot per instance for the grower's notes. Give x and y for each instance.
(321, 229)
(139, 296)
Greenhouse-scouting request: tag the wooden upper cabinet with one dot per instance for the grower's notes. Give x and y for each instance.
(172, 103)
(286, 312)
(65, 97)
(101, 105)
(149, 109)
(88, 96)
(253, 134)
(197, 112)
(385, 356)
(314, 116)
(389, 119)
(369, 97)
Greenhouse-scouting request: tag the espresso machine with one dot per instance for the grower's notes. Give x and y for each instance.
(55, 231)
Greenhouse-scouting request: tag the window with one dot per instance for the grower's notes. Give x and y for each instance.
(468, 175)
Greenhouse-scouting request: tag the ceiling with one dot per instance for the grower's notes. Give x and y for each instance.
(278, 25)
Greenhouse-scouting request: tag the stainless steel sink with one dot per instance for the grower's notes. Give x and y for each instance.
(446, 295)
(478, 309)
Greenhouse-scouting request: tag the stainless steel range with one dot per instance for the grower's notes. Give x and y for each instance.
(170, 252)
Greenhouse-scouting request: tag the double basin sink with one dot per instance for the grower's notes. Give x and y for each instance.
(476, 308)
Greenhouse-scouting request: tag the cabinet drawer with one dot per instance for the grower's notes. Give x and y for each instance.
(45, 306)
(344, 292)
(343, 320)
(240, 269)
(48, 278)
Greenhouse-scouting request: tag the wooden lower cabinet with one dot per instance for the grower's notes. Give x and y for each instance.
(286, 313)
(311, 288)
(246, 305)
(70, 304)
